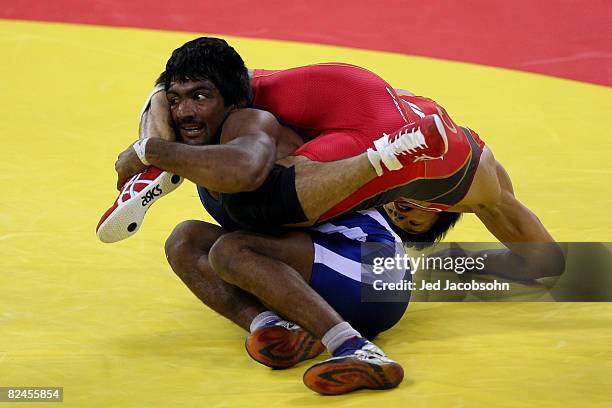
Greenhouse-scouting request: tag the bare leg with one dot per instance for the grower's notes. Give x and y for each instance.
(275, 270)
(187, 252)
(322, 185)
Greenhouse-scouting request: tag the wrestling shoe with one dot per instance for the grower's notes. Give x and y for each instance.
(124, 218)
(424, 139)
(357, 364)
(282, 344)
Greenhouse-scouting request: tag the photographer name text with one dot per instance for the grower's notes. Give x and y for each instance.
(440, 285)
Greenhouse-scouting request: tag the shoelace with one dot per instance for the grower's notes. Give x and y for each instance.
(408, 142)
(370, 351)
(288, 325)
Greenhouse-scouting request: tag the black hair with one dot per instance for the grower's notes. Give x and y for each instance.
(438, 230)
(212, 59)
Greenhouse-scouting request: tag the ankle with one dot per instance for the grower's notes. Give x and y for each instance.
(263, 319)
(349, 346)
(337, 335)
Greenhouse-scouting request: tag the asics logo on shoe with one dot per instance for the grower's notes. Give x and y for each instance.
(150, 196)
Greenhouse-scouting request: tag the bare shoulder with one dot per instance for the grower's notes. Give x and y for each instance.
(250, 115)
(250, 122)
(499, 177)
(490, 182)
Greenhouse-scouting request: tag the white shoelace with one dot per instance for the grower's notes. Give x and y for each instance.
(408, 142)
(370, 352)
(287, 325)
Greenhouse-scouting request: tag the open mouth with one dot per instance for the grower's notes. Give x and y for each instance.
(192, 130)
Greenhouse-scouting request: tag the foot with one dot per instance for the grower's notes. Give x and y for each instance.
(282, 345)
(124, 218)
(358, 364)
(423, 140)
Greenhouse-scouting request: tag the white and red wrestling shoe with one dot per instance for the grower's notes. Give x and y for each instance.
(124, 218)
(424, 139)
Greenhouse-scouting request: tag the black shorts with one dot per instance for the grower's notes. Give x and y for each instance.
(274, 204)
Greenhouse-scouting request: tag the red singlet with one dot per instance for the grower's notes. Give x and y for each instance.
(341, 109)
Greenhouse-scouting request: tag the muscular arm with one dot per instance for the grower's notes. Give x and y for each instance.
(155, 120)
(241, 163)
(532, 253)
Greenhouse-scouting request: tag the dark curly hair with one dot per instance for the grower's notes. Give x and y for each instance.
(438, 230)
(212, 59)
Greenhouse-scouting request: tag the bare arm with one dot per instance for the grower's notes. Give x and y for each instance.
(241, 163)
(532, 253)
(155, 120)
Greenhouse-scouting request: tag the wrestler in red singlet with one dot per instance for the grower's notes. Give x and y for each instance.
(342, 109)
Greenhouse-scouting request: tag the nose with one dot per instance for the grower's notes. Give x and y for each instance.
(185, 111)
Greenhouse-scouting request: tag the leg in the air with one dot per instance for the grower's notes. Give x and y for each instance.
(322, 185)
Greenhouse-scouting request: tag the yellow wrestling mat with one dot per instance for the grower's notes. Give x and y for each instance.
(114, 326)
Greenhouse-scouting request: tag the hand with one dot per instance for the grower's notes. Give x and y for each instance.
(127, 165)
(453, 251)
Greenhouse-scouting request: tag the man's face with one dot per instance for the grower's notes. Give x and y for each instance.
(197, 109)
(410, 219)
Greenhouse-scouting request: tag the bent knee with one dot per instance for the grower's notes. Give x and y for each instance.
(225, 252)
(190, 237)
(180, 237)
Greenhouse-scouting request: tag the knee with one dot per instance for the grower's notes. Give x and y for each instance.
(189, 239)
(224, 255)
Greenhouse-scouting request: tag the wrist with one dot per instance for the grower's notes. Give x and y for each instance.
(140, 147)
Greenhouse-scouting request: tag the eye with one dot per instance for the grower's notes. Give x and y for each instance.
(200, 96)
(403, 207)
(172, 101)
